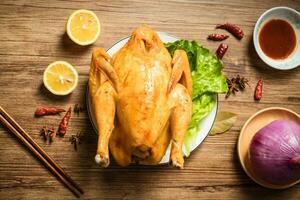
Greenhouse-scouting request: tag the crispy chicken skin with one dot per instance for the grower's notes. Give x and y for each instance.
(141, 100)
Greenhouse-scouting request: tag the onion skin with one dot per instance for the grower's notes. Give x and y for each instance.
(275, 152)
(295, 162)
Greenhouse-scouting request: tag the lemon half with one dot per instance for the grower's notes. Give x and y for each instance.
(60, 78)
(83, 27)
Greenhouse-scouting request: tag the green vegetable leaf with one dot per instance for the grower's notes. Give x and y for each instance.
(201, 107)
(208, 79)
(206, 68)
(224, 121)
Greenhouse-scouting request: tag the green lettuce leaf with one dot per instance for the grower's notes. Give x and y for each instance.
(206, 68)
(208, 79)
(201, 107)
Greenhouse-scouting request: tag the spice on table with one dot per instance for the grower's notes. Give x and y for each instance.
(241, 81)
(258, 90)
(76, 139)
(233, 29)
(52, 135)
(236, 84)
(62, 129)
(44, 133)
(232, 87)
(42, 110)
(217, 37)
(47, 133)
(221, 50)
(223, 122)
(78, 108)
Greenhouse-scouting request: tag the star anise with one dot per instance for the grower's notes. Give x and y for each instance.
(52, 134)
(78, 108)
(44, 133)
(47, 133)
(236, 84)
(76, 139)
(241, 81)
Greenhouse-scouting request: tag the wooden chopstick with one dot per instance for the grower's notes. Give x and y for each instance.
(55, 168)
(39, 149)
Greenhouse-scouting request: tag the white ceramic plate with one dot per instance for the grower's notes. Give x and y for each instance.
(205, 124)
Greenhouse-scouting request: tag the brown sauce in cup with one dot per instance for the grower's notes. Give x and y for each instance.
(277, 39)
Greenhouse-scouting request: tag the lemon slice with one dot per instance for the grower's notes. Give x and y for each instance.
(60, 78)
(83, 27)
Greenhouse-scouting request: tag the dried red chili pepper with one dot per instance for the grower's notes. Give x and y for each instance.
(258, 90)
(217, 37)
(233, 29)
(62, 129)
(221, 50)
(41, 111)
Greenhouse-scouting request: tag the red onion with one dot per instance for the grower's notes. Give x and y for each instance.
(275, 152)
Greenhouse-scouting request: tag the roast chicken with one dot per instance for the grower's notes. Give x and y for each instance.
(141, 101)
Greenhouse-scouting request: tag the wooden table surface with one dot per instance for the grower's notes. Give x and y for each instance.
(32, 35)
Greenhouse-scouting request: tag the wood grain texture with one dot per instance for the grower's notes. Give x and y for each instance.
(32, 35)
